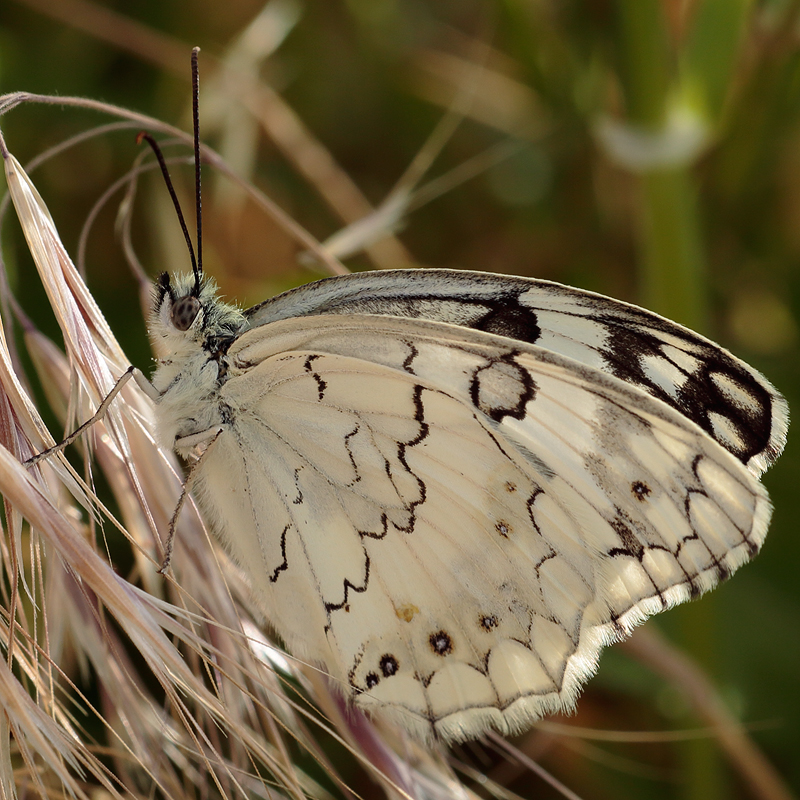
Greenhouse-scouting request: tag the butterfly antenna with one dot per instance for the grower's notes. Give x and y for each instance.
(145, 136)
(198, 270)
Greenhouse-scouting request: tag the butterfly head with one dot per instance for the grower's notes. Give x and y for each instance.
(188, 313)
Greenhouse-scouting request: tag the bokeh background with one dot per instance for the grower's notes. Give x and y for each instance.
(645, 149)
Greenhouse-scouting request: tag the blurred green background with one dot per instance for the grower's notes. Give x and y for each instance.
(646, 150)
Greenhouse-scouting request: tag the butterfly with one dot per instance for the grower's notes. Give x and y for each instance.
(452, 489)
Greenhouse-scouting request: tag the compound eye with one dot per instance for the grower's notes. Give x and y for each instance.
(184, 311)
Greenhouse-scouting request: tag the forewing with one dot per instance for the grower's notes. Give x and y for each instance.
(454, 525)
(728, 399)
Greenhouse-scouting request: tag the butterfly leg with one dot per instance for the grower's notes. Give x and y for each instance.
(102, 409)
(190, 441)
(185, 443)
(144, 384)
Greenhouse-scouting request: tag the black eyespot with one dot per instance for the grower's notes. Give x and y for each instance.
(503, 528)
(372, 680)
(441, 643)
(184, 311)
(488, 622)
(640, 490)
(389, 666)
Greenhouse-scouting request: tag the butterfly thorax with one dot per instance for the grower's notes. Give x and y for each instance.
(191, 330)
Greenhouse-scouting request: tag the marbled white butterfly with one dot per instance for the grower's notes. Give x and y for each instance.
(452, 489)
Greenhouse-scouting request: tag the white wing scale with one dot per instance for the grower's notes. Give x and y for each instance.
(455, 523)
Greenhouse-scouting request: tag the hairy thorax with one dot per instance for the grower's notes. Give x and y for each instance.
(188, 404)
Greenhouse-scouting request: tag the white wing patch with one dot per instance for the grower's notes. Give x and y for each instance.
(453, 523)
